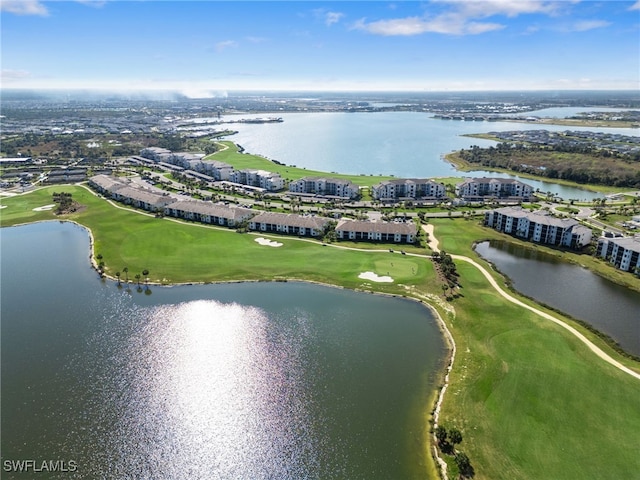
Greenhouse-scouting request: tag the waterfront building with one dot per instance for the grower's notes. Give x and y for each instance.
(207, 212)
(289, 223)
(330, 187)
(539, 227)
(396, 232)
(623, 252)
(217, 169)
(502, 188)
(258, 178)
(408, 188)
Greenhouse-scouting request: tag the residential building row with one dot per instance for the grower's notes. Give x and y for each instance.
(232, 216)
(622, 252)
(500, 188)
(539, 227)
(219, 171)
(472, 189)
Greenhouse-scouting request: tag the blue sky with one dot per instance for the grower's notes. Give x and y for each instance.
(205, 47)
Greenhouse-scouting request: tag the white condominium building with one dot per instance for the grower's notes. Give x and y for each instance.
(325, 186)
(414, 188)
(258, 178)
(538, 227)
(493, 187)
(623, 252)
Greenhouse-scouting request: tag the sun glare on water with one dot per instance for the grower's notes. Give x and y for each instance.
(214, 395)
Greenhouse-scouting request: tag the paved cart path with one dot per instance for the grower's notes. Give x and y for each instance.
(433, 244)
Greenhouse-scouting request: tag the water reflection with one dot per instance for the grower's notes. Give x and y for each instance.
(256, 380)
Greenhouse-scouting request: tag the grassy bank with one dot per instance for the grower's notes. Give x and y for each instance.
(530, 399)
(230, 154)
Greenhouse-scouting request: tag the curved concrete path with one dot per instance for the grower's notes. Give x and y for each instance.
(433, 243)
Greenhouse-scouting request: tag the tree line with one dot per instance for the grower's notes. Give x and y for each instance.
(578, 163)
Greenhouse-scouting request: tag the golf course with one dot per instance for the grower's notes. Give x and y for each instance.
(531, 399)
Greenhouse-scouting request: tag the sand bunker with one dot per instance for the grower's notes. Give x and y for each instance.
(2, 206)
(267, 242)
(375, 278)
(44, 207)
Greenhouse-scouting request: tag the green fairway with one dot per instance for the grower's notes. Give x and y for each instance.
(531, 400)
(176, 252)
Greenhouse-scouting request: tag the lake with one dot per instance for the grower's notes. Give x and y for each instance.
(245, 380)
(610, 308)
(404, 144)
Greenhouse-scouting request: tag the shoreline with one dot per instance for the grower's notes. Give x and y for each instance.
(435, 396)
(464, 166)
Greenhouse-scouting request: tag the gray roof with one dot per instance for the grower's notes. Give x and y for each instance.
(106, 182)
(213, 209)
(492, 180)
(402, 181)
(537, 217)
(216, 164)
(291, 220)
(402, 228)
(516, 212)
(145, 196)
(341, 181)
(628, 243)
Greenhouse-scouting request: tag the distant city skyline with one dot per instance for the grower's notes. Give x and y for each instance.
(206, 48)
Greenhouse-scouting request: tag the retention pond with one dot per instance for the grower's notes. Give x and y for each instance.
(608, 307)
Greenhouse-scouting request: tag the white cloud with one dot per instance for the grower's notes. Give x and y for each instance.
(462, 17)
(635, 6)
(329, 18)
(24, 7)
(333, 17)
(37, 7)
(509, 8)
(444, 24)
(221, 46)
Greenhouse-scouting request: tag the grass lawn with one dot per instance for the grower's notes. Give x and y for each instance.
(531, 401)
(240, 161)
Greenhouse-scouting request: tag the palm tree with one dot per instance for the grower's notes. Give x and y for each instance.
(464, 465)
(138, 278)
(441, 435)
(126, 272)
(118, 275)
(455, 436)
(145, 274)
